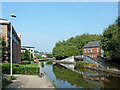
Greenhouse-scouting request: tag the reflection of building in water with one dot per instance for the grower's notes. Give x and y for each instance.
(96, 79)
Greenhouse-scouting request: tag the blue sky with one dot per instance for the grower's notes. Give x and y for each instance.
(43, 24)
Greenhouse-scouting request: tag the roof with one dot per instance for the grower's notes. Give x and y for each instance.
(4, 21)
(27, 47)
(93, 44)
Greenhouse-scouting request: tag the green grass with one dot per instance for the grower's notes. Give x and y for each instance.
(32, 64)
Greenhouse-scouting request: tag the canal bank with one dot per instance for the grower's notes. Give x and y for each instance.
(31, 81)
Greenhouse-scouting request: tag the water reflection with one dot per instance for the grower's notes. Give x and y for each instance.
(84, 78)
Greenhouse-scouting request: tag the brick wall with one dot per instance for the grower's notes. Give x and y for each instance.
(16, 49)
(94, 53)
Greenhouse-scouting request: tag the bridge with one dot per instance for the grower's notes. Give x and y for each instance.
(75, 59)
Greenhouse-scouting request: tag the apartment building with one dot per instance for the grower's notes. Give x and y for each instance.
(16, 42)
(93, 49)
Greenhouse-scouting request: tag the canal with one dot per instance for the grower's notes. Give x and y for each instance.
(79, 78)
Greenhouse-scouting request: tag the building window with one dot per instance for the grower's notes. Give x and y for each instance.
(97, 49)
(88, 50)
(91, 50)
(85, 50)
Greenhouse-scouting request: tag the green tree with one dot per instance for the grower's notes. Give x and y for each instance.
(27, 55)
(111, 42)
(22, 55)
(49, 55)
(4, 49)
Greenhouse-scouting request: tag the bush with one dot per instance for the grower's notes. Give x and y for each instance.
(5, 82)
(16, 65)
(12, 78)
(6, 68)
(25, 62)
(20, 69)
(49, 62)
(42, 64)
(80, 63)
(31, 59)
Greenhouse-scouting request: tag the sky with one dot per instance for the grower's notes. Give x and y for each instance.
(42, 24)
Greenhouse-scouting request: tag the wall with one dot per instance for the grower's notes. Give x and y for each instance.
(16, 47)
(94, 53)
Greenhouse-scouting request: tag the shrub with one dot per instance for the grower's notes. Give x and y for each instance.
(42, 64)
(25, 62)
(6, 81)
(49, 62)
(20, 69)
(31, 59)
(6, 68)
(12, 78)
(80, 63)
(16, 65)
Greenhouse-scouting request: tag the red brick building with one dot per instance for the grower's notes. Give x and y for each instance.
(93, 49)
(16, 41)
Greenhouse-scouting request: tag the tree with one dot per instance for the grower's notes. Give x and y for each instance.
(73, 46)
(111, 42)
(22, 55)
(49, 55)
(4, 49)
(25, 55)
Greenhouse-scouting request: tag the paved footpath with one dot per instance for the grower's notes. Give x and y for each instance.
(31, 81)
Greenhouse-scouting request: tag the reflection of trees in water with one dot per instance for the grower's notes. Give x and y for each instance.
(71, 77)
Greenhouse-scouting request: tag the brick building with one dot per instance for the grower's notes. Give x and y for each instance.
(16, 41)
(93, 49)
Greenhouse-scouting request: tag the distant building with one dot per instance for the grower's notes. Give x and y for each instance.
(44, 55)
(16, 41)
(93, 49)
(31, 50)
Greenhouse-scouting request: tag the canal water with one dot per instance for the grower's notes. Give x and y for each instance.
(79, 78)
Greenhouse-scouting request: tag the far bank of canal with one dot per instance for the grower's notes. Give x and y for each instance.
(82, 78)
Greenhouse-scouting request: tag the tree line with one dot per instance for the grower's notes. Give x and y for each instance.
(73, 46)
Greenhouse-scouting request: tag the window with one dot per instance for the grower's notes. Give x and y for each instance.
(97, 49)
(85, 50)
(91, 50)
(88, 49)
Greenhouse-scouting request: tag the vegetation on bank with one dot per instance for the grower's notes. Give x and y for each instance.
(82, 64)
(49, 62)
(73, 46)
(19, 69)
(42, 64)
(7, 80)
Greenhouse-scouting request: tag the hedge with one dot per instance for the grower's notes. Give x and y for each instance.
(25, 62)
(20, 69)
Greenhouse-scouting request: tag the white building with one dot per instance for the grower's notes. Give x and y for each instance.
(31, 50)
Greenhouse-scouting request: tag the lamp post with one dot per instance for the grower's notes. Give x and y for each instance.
(12, 15)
